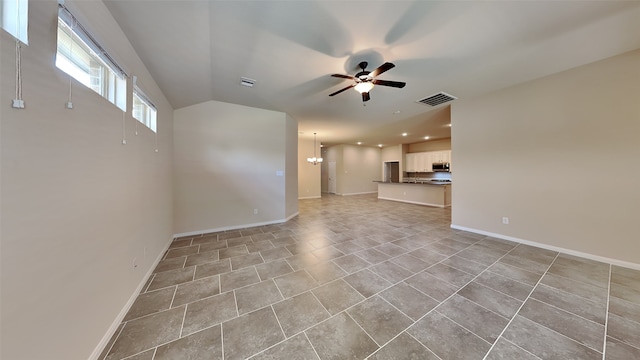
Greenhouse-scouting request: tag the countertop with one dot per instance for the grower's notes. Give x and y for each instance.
(422, 182)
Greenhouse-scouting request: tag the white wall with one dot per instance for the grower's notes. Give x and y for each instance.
(229, 160)
(77, 206)
(308, 174)
(559, 156)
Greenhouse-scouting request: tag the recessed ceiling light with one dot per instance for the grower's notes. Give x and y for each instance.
(359, 142)
(426, 138)
(404, 134)
(397, 112)
(379, 145)
(449, 125)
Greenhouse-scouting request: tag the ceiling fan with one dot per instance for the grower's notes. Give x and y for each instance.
(365, 80)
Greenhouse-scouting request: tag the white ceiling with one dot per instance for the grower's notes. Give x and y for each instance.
(198, 50)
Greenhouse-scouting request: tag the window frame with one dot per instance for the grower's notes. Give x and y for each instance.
(15, 19)
(112, 84)
(150, 112)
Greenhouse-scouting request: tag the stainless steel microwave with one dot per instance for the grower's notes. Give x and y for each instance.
(440, 167)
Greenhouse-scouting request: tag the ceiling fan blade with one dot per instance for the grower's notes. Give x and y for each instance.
(342, 76)
(396, 84)
(365, 96)
(341, 90)
(382, 68)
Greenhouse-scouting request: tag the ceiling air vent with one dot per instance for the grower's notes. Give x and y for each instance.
(437, 99)
(247, 82)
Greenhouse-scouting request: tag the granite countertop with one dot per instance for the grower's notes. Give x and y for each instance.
(420, 182)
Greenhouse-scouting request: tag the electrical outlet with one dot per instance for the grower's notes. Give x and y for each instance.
(69, 105)
(255, 211)
(505, 220)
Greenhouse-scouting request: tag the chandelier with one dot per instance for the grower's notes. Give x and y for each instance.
(314, 160)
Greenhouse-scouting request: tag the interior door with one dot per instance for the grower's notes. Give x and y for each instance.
(332, 177)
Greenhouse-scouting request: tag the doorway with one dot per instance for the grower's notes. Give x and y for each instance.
(332, 177)
(391, 171)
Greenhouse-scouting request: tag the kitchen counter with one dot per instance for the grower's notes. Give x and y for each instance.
(423, 182)
(421, 193)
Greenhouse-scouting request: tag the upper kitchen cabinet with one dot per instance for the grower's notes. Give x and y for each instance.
(441, 156)
(423, 161)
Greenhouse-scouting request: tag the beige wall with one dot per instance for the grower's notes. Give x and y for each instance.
(77, 206)
(308, 174)
(558, 156)
(229, 160)
(430, 145)
(356, 168)
(291, 167)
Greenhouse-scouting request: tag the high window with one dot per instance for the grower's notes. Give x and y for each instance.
(143, 109)
(14, 18)
(80, 56)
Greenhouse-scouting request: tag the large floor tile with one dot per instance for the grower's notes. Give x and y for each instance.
(579, 269)
(295, 283)
(495, 301)
(337, 296)
(617, 350)
(273, 269)
(432, 286)
(208, 312)
(584, 331)
(451, 275)
(340, 337)
(253, 297)
(237, 279)
(300, 312)
(410, 301)
(447, 339)
(250, 334)
(546, 343)
(623, 329)
(571, 303)
(351, 263)
(367, 282)
(147, 332)
(171, 277)
(296, 348)
(379, 319)
(196, 290)
(150, 302)
(203, 345)
(473, 317)
(404, 347)
(506, 350)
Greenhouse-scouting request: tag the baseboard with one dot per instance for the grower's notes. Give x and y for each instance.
(309, 197)
(234, 227)
(360, 193)
(581, 254)
(116, 323)
(414, 202)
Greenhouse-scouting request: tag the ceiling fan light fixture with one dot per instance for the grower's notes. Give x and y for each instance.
(364, 87)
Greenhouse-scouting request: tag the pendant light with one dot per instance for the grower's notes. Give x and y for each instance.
(314, 160)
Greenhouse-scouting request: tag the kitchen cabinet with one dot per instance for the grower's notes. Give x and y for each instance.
(423, 161)
(442, 156)
(410, 162)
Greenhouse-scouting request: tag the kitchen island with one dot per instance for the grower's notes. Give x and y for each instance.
(421, 193)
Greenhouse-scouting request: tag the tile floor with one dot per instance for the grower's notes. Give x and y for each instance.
(358, 278)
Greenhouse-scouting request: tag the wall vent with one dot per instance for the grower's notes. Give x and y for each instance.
(247, 82)
(437, 99)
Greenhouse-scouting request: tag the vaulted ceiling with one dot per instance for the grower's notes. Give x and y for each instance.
(198, 51)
